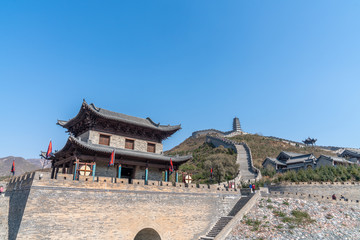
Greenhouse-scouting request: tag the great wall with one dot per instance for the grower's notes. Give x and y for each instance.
(37, 206)
(247, 171)
(109, 208)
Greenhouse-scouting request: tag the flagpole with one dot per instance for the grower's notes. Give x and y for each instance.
(119, 175)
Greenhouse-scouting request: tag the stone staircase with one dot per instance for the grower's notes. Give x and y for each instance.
(223, 221)
(244, 160)
(247, 172)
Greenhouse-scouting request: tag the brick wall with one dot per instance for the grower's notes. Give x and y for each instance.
(62, 208)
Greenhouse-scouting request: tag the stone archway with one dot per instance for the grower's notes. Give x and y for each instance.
(147, 234)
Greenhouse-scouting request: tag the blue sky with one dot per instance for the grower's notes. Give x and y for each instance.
(289, 69)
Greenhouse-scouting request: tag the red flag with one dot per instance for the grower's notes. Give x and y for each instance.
(13, 168)
(49, 151)
(112, 158)
(171, 168)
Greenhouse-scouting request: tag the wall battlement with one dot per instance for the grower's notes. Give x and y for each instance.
(312, 197)
(317, 183)
(40, 206)
(349, 190)
(43, 179)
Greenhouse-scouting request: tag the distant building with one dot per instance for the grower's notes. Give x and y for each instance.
(324, 160)
(236, 130)
(351, 155)
(290, 161)
(95, 133)
(274, 163)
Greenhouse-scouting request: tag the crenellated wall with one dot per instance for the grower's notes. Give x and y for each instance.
(349, 190)
(314, 197)
(110, 208)
(217, 141)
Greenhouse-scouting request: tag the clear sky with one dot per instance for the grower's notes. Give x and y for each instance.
(289, 69)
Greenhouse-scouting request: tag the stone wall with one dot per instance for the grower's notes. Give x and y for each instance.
(200, 133)
(103, 170)
(4, 211)
(216, 141)
(61, 208)
(348, 189)
(119, 141)
(319, 198)
(155, 174)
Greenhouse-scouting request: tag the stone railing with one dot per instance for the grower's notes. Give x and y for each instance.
(235, 221)
(256, 170)
(217, 141)
(311, 197)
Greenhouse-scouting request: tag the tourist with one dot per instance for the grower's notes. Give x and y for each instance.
(253, 187)
(250, 187)
(333, 197)
(1, 191)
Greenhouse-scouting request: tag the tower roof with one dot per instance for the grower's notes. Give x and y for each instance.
(89, 112)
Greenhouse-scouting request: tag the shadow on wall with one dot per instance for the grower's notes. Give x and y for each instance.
(17, 205)
(147, 234)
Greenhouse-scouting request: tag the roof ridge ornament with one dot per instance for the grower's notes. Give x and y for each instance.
(152, 122)
(96, 108)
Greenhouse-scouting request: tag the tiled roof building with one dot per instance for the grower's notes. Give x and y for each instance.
(96, 133)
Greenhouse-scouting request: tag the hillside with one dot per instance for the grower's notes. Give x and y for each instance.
(187, 146)
(262, 147)
(21, 165)
(205, 157)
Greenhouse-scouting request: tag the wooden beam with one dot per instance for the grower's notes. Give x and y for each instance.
(68, 159)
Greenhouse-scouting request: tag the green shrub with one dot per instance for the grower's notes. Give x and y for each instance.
(279, 213)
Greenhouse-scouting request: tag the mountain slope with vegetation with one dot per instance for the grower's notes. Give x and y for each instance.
(205, 157)
(223, 161)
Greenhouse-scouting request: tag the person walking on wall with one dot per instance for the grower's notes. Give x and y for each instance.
(250, 187)
(2, 191)
(253, 187)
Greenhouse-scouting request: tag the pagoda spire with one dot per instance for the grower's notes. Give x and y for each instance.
(236, 125)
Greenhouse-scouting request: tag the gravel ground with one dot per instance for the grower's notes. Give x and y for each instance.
(273, 219)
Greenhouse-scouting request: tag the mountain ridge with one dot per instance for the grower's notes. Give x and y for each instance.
(22, 165)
